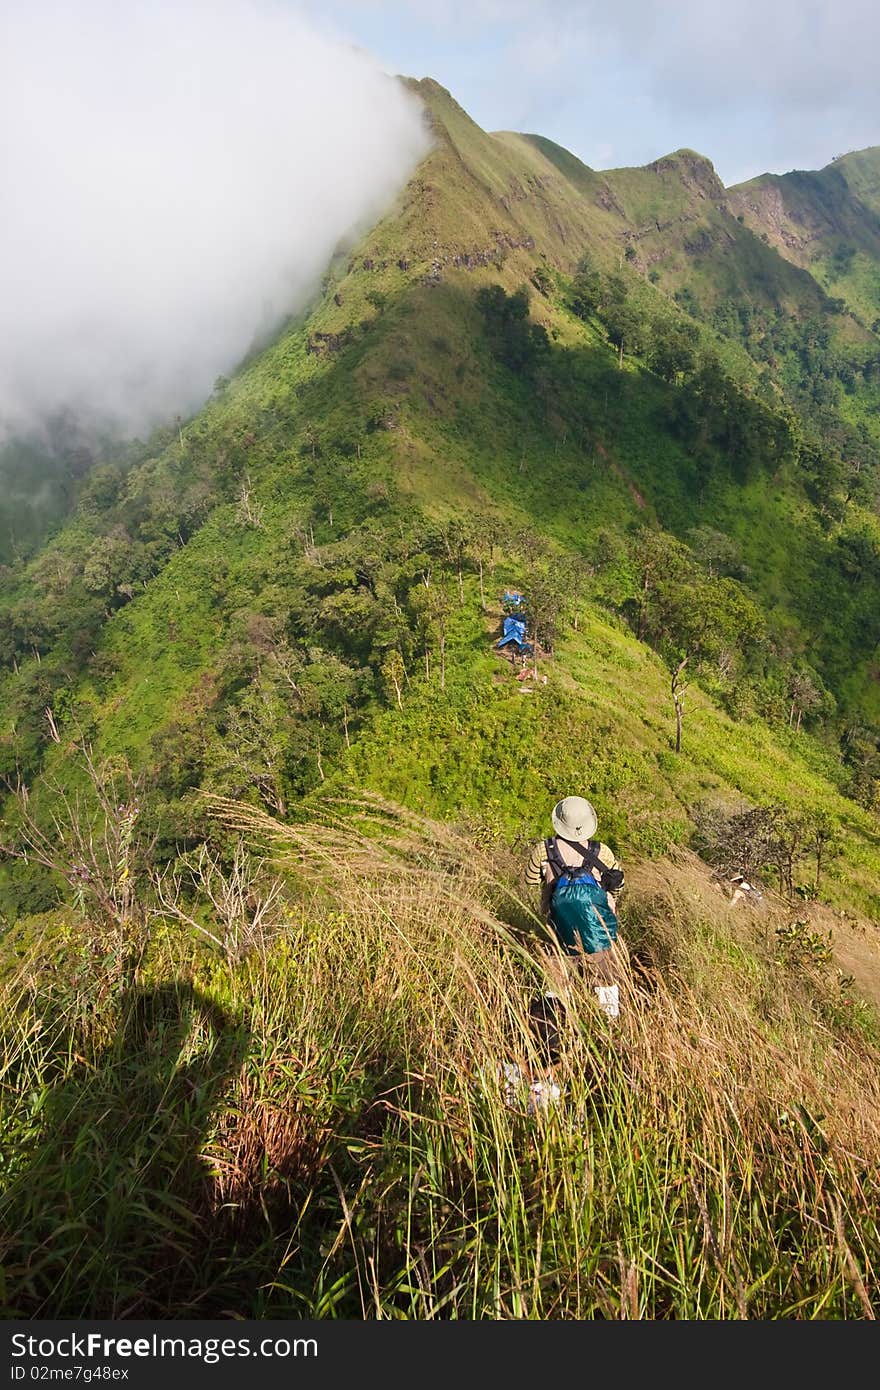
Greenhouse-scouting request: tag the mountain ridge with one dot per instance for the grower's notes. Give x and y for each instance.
(272, 983)
(393, 389)
(827, 221)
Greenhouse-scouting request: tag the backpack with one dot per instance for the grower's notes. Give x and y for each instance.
(580, 913)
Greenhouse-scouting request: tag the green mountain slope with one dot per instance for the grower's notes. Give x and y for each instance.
(826, 221)
(268, 965)
(250, 609)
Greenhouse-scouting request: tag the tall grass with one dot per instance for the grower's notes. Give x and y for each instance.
(319, 1128)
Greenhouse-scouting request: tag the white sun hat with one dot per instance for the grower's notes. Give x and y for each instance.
(574, 819)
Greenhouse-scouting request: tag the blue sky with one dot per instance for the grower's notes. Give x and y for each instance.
(754, 84)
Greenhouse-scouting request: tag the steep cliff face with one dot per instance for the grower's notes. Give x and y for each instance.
(695, 172)
(827, 221)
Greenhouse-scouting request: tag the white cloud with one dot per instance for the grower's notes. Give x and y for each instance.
(175, 175)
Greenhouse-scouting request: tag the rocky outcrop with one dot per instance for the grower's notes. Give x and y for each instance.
(695, 172)
(318, 343)
(488, 255)
(606, 199)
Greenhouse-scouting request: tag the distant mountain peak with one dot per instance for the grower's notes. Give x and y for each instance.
(694, 170)
(870, 152)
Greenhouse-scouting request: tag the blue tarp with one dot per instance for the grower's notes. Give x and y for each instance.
(513, 599)
(514, 631)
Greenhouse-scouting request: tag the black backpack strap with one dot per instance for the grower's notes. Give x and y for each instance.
(611, 879)
(555, 859)
(608, 877)
(590, 855)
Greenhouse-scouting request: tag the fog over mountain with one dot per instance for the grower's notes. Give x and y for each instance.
(175, 177)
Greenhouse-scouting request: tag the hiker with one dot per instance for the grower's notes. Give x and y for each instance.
(741, 889)
(580, 879)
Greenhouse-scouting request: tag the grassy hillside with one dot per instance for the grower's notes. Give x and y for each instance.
(605, 390)
(826, 221)
(320, 485)
(311, 1122)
